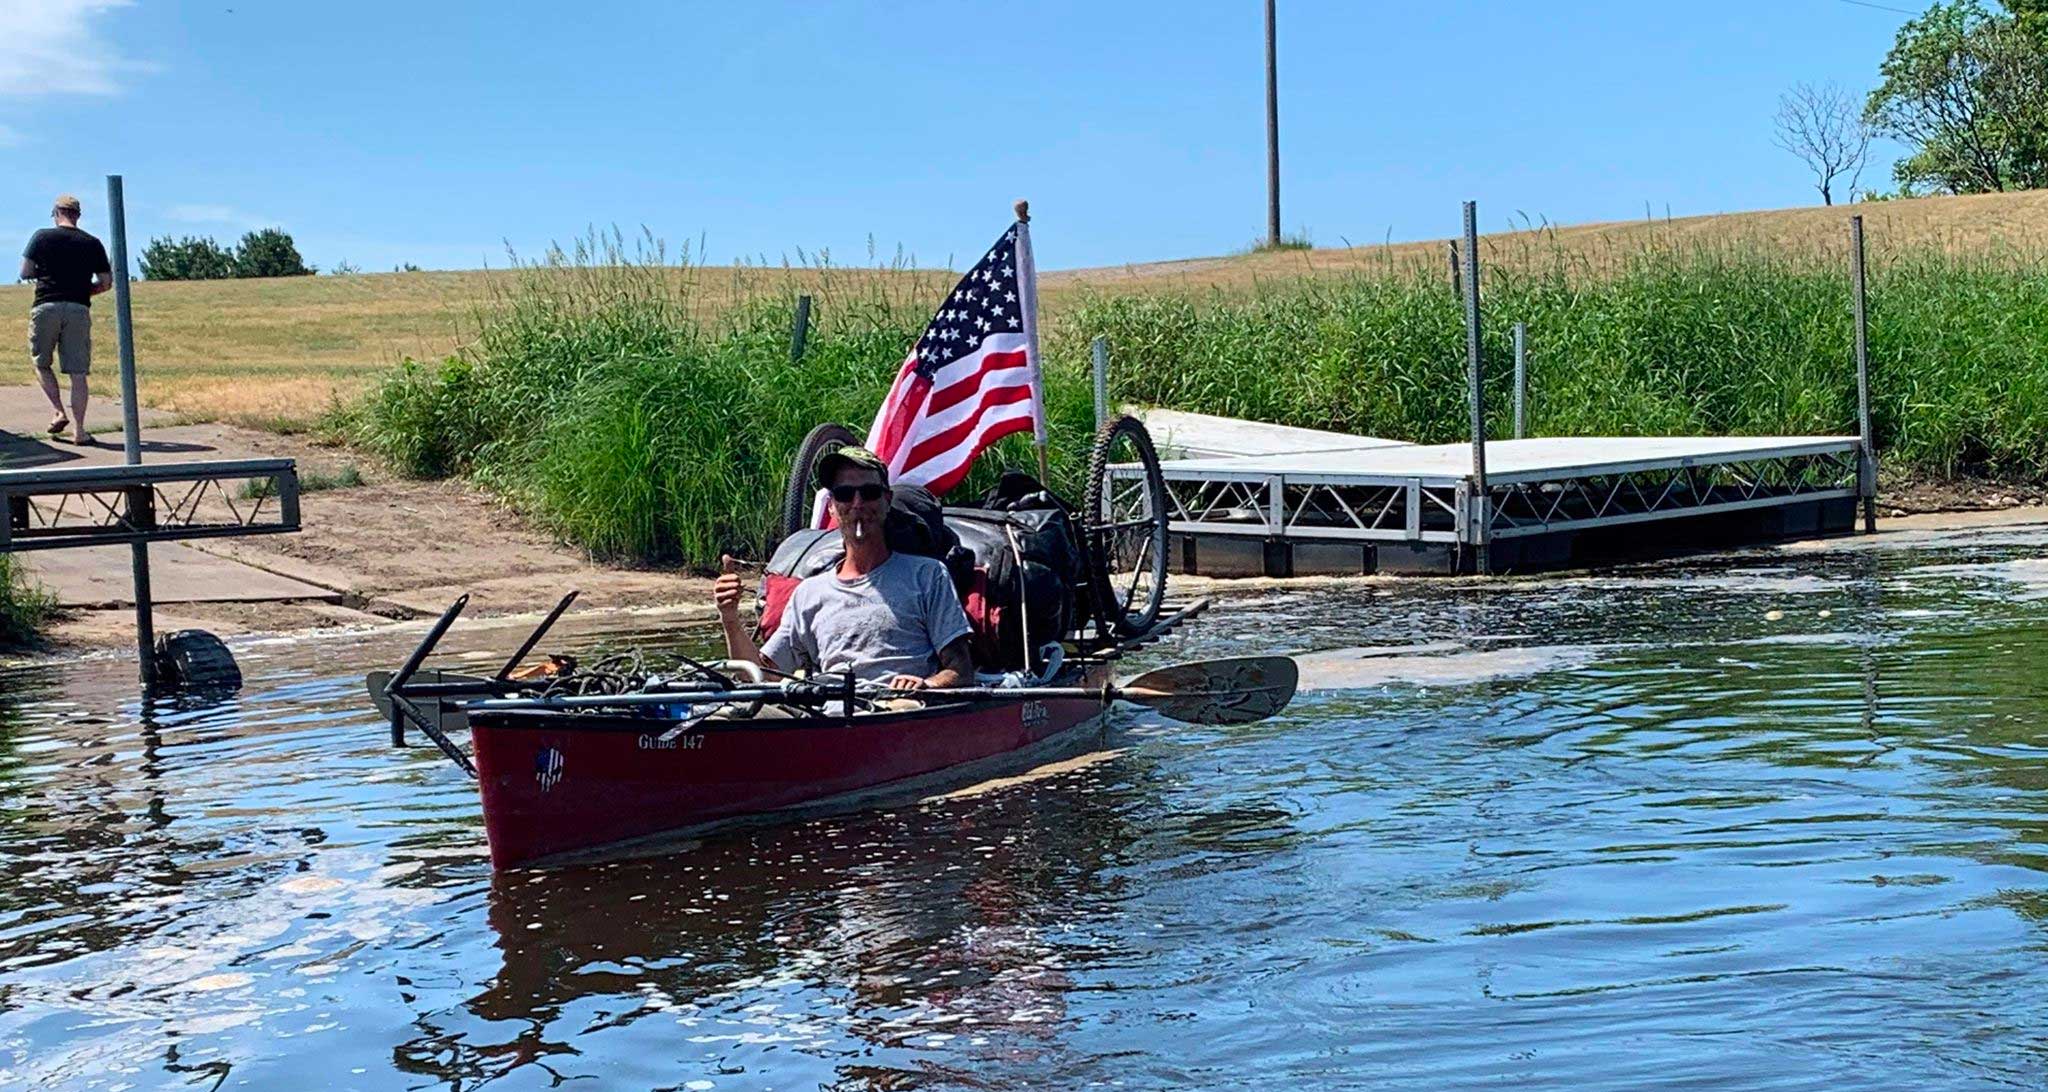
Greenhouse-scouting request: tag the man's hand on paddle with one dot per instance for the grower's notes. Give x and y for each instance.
(956, 668)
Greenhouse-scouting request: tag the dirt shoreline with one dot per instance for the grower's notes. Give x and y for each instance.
(392, 551)
(385, 552)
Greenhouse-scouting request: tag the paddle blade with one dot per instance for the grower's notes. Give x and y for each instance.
(450, 715)
(1234, 691)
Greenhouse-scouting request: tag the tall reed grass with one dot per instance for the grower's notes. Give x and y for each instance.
(1664, 340)
(598, 394)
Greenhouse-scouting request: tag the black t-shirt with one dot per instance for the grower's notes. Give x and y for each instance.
(66, 258)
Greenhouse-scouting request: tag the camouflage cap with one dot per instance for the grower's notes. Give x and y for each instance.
(829, 463)
(67, 203)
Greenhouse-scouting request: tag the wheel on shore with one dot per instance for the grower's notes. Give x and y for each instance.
(799, 499)
(1124, 522)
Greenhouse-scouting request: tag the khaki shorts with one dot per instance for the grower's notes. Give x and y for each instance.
(63, 331)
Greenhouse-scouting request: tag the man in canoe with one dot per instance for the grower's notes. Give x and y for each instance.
(890, 618)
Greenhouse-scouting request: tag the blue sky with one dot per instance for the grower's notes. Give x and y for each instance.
(437, 133)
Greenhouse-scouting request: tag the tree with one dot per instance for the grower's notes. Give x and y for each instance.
(2032, 16)
(1967, 88)
(1824, 127)
(269, 253)
(186, 259)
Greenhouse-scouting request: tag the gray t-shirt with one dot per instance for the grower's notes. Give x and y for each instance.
(892, 621)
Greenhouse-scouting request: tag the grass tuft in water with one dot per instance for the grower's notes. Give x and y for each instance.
(25, 607)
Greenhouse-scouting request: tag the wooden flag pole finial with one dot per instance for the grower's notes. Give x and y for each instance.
(1024, 211)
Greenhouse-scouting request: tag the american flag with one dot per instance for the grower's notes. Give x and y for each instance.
(972, 378)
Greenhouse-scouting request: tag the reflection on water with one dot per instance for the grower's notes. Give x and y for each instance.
(1776, 821)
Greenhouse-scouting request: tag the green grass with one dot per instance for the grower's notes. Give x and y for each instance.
(1673, 340)
(311, 481)
(1297, 241)
(601, 399)
(24, 607)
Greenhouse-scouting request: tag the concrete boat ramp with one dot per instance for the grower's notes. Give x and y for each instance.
(1247, 498)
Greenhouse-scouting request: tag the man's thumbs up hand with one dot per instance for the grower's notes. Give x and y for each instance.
(726, 591)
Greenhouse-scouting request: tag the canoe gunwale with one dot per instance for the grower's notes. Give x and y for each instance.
(584, 720)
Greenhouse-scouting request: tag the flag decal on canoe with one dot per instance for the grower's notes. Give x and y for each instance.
(547, 767)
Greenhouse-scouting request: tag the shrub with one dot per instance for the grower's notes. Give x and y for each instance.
(270, 253)
(186, 259)
(266, 253)
(24, 607)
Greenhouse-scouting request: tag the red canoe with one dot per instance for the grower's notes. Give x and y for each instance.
(558, 782)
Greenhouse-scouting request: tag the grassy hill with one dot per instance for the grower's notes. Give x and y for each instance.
(275, 352)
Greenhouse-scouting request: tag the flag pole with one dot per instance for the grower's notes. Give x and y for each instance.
(1027, 284)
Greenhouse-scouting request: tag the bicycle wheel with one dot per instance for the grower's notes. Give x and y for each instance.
(1124, 524)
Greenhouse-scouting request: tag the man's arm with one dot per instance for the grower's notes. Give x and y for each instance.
(102, 282)
(956, 666)
(28, 270)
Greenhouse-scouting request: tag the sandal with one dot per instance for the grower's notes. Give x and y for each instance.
(59, 424)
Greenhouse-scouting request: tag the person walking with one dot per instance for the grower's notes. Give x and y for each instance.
(69, 268)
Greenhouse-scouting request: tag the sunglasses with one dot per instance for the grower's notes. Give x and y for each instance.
(844, 494)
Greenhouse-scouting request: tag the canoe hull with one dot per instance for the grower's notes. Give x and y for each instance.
(556, 783)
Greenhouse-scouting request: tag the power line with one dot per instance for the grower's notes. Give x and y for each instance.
(1880, 7)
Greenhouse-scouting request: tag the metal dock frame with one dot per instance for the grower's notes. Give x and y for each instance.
(1543, 507)
(154, 502)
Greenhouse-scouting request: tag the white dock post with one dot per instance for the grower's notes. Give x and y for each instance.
(1521, 380)
(1866, 457)
(1476, 531)
(1099, 351)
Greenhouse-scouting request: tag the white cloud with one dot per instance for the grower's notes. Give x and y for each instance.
(57, 47)
(215, 214)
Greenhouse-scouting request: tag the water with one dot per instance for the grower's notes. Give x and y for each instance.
(1596, 833)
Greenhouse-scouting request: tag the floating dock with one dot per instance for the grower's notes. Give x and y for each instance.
(1245, 498)
(1251, 499)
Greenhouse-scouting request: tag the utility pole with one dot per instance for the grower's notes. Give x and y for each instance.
(1272, 134)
